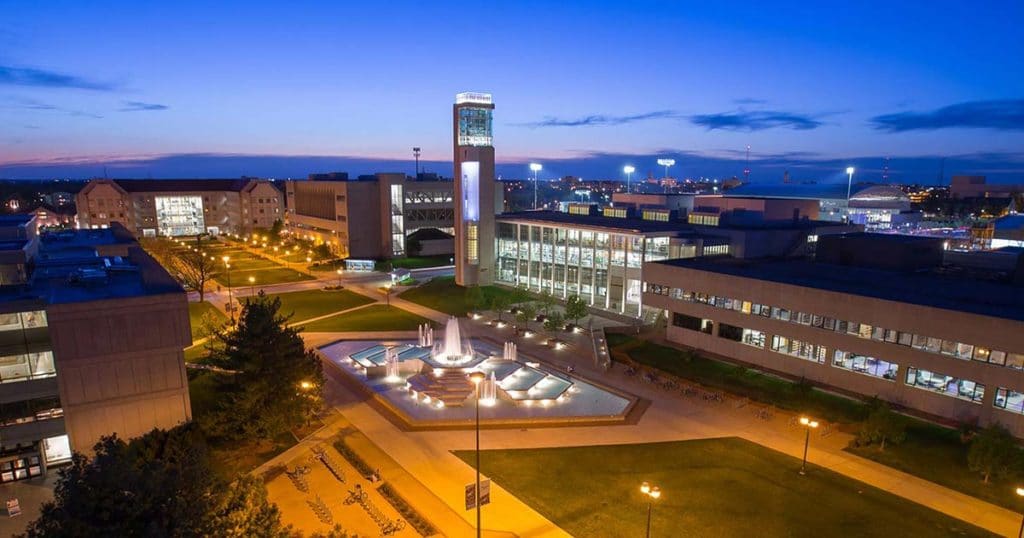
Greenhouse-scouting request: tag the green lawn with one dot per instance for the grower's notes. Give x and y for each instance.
(371, 318)
(419, 262)
(264, 277)
(937, 454)
(739, 380)
(314, 303)
(443, 295)
(712, 487)
(199, 314)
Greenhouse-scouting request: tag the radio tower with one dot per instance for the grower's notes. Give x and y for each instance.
(746, 167)
(885, 171)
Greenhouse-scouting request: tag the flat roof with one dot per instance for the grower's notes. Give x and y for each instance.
(948, 292)
(637, 225)
(69, 268)
(182, 185)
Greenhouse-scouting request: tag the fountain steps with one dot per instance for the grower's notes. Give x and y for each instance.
(451, 387)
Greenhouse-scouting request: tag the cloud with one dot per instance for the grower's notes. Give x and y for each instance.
(757, 120)
(29, 76)
(32, 104)
(750, 101)
(600, 119)
(1000, 114)
(139, 106)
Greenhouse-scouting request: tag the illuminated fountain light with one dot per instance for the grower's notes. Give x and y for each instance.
(489, 391)
(391, 366)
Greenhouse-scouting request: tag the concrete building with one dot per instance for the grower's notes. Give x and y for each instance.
(91, 337)
(978, 187)
(175, 207)
(370, 217)
(944, 341)
(876, 207)
(681, 203)
(600, 256)
(477, 198)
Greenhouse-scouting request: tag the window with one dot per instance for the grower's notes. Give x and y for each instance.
(753, 338)
(863, 364)
(1009, 400)
(963, 389)
(730, 332)
(1015, 361)
(799, 349)
(686, 322)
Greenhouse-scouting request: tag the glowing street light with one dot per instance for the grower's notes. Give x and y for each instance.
(535, 167)
(252, 286)
(667, 163)
(1020, 533)
(849, 183)
(231, 307)
(652, 493)
(628, 169)
(339, 278)
(809, 425)
(477, 377)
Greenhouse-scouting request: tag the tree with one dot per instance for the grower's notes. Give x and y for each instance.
(527, 311)
(161, 484)
(413, 247)
(545, 302)
(555, 322)
(575, 308)
(519, 295)
(276, 383)
(322, 252)
(882, 425)
(196, 268)
(275, 230)
(500, 303)
(993, 453)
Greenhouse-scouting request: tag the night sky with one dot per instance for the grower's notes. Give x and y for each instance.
(219, 89)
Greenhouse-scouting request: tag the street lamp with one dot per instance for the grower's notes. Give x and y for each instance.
(652, 492)
(536, 167)
(666, 163)
(252, 286)
(387, 293)
(477, 376)
(808, 425)
(628, 169)
(1020, 533)
(339, 278)
(231, 308)
(849, 183)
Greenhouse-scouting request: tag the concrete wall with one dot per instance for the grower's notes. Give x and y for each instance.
(993, 333)
(121, 366)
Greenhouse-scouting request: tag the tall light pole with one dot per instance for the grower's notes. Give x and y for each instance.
(1020, 533)
(416, 154)
(666, 163)
(849, 183)
(477, 377)
(252, 286)
(652, 492)
(628, 169)
(808, 425)
(339, 279)
(536, 167)
(231, 307)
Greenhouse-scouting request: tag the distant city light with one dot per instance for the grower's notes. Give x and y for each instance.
(536, 167)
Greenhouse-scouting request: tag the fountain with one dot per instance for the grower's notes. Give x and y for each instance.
(510, 352)
(452, 350)
(391, 365)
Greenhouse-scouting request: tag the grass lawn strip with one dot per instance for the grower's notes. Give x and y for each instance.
(376, 317)
(710, 487)
(310, 304)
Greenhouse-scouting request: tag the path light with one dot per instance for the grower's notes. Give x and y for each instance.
(652, 493)
(477, 377)
(809, 425)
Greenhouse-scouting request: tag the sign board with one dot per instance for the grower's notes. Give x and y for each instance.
(485, 494)
(13, 508)
(470, 496)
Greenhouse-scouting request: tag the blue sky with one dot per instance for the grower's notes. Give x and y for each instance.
(224, 89)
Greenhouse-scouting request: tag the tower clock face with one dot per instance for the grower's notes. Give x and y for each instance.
(475, 127)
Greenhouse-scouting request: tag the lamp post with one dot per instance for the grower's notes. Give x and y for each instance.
(231, 308)
(339, 278)
(849, 183)
(387, 294)
(808, 425)
(536, 167)
(477, 377)
(666, 163)
(1020, 533)
(252, 286)
(652, 492)
(628, 169)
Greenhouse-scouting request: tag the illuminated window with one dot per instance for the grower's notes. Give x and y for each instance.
(963, 389)
(472, 244)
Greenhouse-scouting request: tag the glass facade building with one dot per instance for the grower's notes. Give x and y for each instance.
(601, 265)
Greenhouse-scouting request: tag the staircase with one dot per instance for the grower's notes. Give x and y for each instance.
(451, 388)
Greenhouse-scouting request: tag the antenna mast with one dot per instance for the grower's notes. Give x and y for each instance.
(746, 167)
